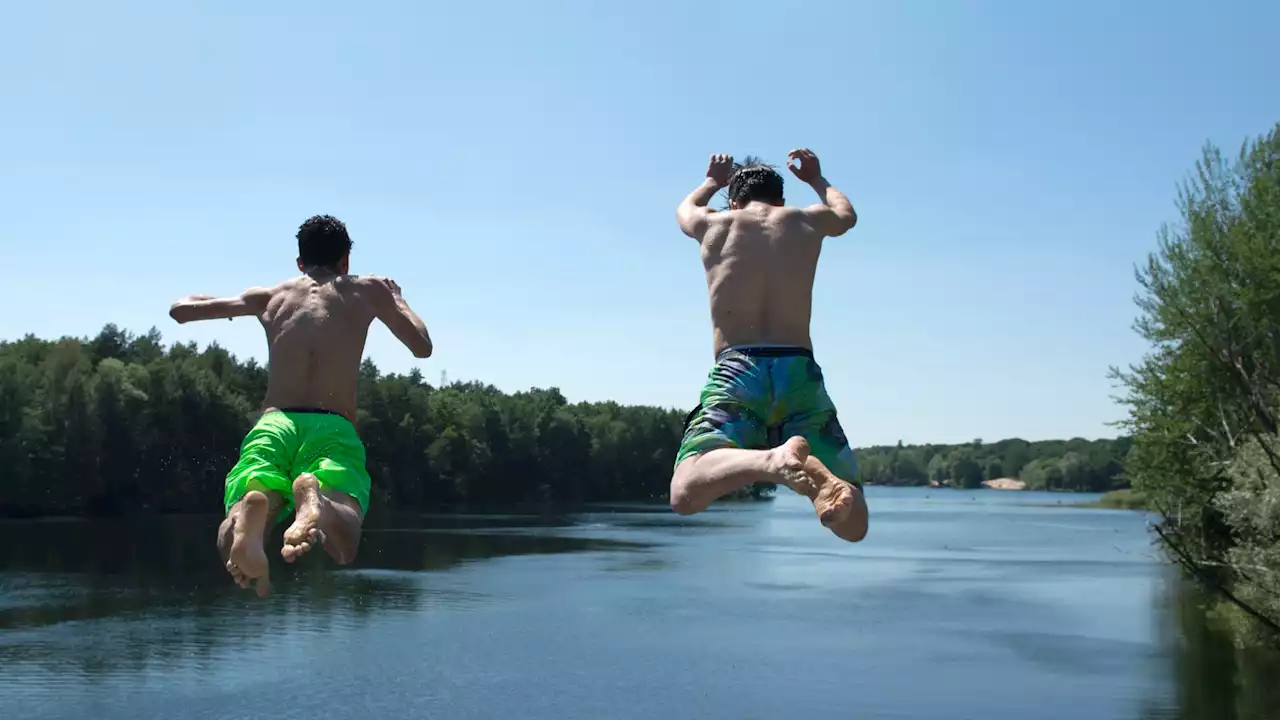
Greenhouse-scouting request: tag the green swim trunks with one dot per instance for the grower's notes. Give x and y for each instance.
(289, 442)
(757, 397)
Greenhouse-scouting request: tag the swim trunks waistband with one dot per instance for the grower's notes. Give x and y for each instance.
(314, 411)
(767, 351)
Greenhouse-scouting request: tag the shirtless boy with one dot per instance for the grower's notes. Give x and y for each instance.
(304, 452)
(764, 414)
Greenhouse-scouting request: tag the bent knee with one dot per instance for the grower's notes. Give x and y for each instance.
(225, 536)
(345, 553)
(682, 502)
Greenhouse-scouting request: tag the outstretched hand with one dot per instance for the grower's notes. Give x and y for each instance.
(804, 165)
(720, 169)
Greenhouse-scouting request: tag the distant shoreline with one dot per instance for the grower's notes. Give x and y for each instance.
(1126, 499)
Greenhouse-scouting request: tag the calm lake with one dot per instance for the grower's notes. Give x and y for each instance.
(980, 604)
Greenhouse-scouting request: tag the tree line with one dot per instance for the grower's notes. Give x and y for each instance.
(1204, 403)
(120, 423)
(1066, 465)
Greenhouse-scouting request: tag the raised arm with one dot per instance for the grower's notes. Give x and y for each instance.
(835, 215)
(206, 307)
(400, 319)
(693, 213)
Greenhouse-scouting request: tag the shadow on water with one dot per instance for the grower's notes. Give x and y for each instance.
(128, 606)
(166, 573)
(1212, 678)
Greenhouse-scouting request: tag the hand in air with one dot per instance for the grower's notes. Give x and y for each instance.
(720, 168)
(804, 165)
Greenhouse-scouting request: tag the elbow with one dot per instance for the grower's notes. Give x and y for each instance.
(687, 219)
(845, 224)
(683, 222)
(841, 228)
(692, 229)
(176, 311)
(422, 352)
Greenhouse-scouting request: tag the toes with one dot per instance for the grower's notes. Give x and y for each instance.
(263, 587)
(292, 551)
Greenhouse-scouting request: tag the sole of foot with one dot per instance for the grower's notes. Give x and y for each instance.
(305, 532)
(838, 503)
(247, 561)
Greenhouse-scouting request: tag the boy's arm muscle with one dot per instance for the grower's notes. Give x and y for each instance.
(206, 307)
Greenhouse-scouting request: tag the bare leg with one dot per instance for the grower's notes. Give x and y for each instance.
(241, 538)
(703, 479)
(324, 517)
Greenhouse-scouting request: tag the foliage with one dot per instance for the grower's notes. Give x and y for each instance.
(119, 423)
(1073, 465)
(1126, 499)
(1203, 402)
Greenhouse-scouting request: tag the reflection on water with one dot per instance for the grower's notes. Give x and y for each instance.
(64, 571)
(991, 605)
(162, 583)
(1212, 678)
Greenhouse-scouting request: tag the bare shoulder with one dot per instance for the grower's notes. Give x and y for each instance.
(378, 291)
(285, 286)
(720, 217)
(376, 284)
(812, 219)
(262, 295)
(790, 213)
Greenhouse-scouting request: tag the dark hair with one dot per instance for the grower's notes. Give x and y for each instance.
(323, 241)
(753, 179)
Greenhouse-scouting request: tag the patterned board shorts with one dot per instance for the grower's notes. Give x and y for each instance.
(758, 397)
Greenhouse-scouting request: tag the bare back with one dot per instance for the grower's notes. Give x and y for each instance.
(316, 332)
(760, 263)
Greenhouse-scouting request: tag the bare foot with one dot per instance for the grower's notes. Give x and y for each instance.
(247, 561)
(787, 462)
(305, 531)
(839, 505)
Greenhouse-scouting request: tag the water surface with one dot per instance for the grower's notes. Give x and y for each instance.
(958, 605)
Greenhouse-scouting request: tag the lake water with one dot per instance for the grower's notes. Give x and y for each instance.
(958, 605)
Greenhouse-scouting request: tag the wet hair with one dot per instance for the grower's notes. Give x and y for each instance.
(323, 242)
(753, 179)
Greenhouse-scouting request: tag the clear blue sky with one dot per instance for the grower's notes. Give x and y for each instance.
(516, 167)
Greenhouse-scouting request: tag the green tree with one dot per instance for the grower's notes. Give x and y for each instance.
(938, 469)
(965, 471)
(993, 469)
(1203, 403)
